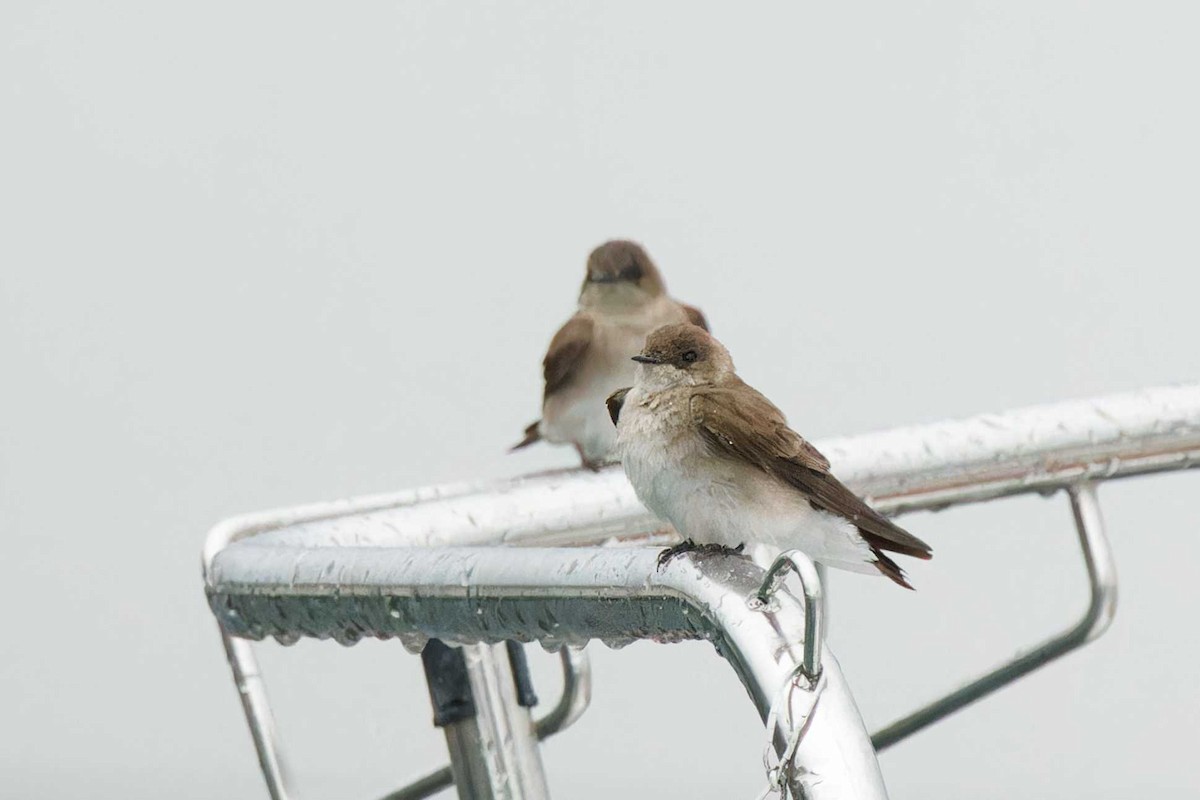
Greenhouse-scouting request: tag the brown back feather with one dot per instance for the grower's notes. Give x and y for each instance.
(695, 316)
(739, 422)
(566, 353)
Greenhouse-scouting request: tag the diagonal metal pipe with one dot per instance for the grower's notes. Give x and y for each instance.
(1102, 606)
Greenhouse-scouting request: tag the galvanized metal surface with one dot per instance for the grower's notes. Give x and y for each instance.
(929, 466)
(556, 597)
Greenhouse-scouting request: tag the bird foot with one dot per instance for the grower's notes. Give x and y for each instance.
(593, 464)
(688, 546)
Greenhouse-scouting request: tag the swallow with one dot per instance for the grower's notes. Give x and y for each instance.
(623, 298)
(714, 457)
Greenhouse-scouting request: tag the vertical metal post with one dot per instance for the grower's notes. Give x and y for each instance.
(823, 577)
(489, 731)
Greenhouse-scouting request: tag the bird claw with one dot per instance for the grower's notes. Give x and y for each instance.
(688, 546)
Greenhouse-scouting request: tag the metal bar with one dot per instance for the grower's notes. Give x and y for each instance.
(810, 583)
(823, 577)
(786, 738)
(1040, 449)
(257, 709)
(576, 695)
(1036, 449)
(425, 786)
(1102, 604)
(557, 597)
(494, 752)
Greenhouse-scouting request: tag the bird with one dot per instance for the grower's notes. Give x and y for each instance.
(711, 455)
(623, 298)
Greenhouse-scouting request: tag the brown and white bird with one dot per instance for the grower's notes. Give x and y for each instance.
(623, 298)
(715, 458)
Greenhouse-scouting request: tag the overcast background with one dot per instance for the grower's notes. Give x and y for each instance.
(262, 254)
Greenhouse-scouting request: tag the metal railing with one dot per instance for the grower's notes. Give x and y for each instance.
(1069, 446)
(560, 597)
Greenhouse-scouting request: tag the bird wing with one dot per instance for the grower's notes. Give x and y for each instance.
(566, 353)
(615, 402)
(738, 422)
(695, 316)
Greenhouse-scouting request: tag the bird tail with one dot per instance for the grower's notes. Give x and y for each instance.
(887, 535)
(889, 568)
(532, 434)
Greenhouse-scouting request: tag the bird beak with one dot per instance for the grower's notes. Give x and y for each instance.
(641, 359)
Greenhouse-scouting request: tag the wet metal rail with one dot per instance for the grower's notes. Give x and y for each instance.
(1038, 449)
(1069, 446)
(561, 596)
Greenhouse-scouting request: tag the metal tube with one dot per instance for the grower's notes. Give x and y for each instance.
(258, 712)
(575, 698)
(556, 596)
(927, 467)
(810, 583)
(494, 752)
(1036, 449)
(1102, 603)
(576, 693)
(823, 577)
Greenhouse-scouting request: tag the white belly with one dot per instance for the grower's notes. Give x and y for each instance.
(577, 414)
(711, 499)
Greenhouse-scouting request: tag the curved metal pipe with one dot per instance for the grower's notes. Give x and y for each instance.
(576, 693)
(557, 596)
(1102, 605)
(814, 603)
(1037, 449)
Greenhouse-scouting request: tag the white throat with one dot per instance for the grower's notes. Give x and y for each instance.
(651, 378)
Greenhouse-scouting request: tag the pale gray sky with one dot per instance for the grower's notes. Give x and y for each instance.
(263, 254)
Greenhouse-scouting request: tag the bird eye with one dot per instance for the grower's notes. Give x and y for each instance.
(631, 273)
(690, 356)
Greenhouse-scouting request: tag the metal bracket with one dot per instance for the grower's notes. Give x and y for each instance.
(1102, 605)
(814, 603)
(786, 737)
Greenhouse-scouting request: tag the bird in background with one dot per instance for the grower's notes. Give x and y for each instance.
(623, 298)
(711, 455)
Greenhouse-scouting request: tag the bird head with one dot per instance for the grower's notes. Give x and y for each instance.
(620, 276)
(682, 354)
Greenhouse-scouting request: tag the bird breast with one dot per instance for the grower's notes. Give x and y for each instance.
(655, 443)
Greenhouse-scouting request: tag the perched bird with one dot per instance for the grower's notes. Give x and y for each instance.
(716, 459)
(623, 298)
